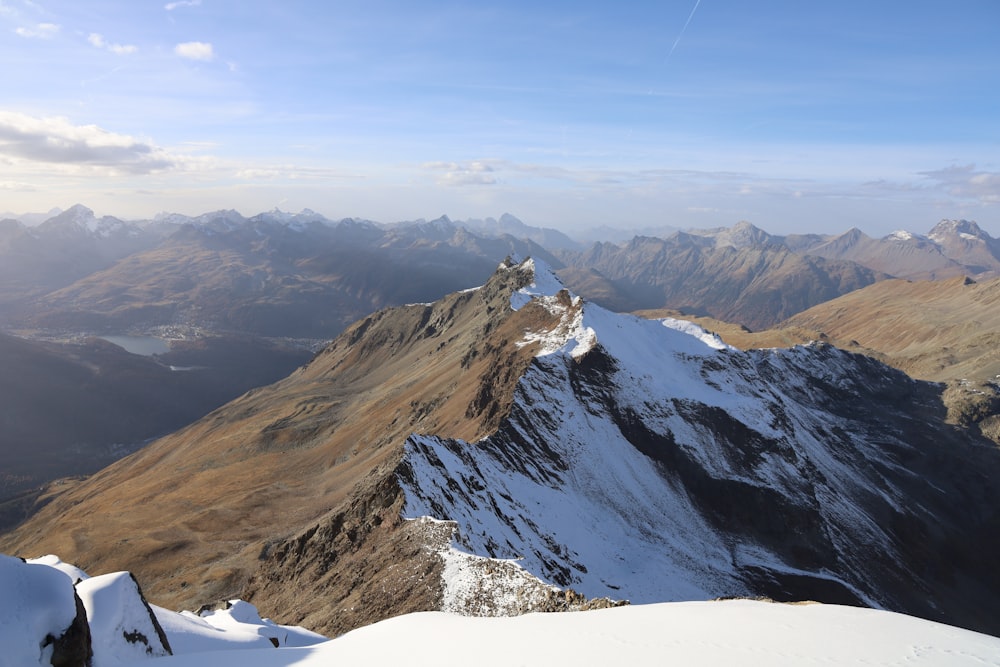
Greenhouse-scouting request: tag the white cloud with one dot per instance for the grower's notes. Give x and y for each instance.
(99, 42)
(467, 173)
(171, 6)
(966, 182)
(27, 141)
(39, 31)
(17, 186)
(195, 50)
(123, 49)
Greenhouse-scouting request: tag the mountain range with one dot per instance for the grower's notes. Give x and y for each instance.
(304, 276)
(476, 452)
(71, 275)
(275, 274)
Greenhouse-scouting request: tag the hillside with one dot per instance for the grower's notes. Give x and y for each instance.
(937, 330)
(71, 409)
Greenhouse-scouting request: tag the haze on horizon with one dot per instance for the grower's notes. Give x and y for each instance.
(795, 116)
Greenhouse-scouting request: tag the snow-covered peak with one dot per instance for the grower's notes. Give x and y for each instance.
(79, 220)
(296, 221)
(79, 214)
(583, 325)
(964, 229)
(646, 460)
(225, 219)
(544, 282)
(903, 236)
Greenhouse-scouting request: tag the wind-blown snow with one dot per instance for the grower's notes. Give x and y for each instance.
(74, 573)
(694, 634)
(241, 619)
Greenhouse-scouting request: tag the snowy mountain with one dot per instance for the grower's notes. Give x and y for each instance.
(708, 471)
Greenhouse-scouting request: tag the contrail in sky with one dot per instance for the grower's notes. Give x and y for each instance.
(681, 34)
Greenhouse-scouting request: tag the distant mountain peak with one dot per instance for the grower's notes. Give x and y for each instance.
(77, 214)
(743, 234)
(78, 210)
(508, 219)
(966, 229)
(78, 219)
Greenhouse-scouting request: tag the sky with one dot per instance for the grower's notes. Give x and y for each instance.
(797, 116)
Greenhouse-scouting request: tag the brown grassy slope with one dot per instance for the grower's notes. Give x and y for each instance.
(933, 330)
(192, 513)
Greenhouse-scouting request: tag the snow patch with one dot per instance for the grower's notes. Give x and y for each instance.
(903, 235)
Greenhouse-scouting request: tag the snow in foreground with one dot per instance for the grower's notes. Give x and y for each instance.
(688, 633)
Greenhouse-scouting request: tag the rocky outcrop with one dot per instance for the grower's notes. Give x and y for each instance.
(72, 648)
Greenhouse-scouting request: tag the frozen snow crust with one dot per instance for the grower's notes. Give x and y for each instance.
(739, 632)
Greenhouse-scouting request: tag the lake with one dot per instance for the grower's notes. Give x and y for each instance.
(144, 345)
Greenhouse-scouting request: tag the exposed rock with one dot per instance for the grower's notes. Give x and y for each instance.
(73, 648)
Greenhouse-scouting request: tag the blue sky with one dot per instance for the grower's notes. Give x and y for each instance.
(796, 116)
